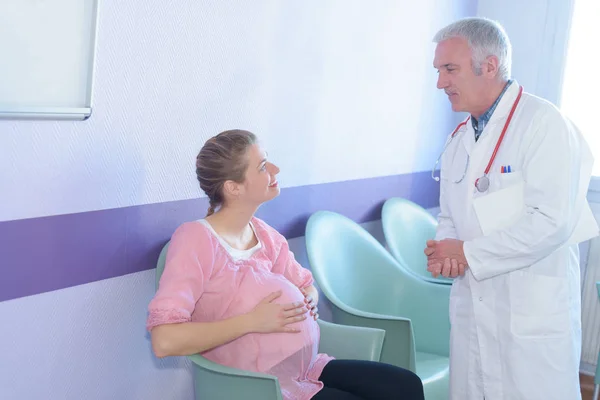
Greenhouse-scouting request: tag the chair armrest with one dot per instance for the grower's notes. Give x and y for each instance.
(439, 280)
(351, 342)
(398, 344)
(427, 305)
(215, 381)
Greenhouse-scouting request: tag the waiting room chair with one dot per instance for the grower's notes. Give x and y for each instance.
(360, 278)
(407, 227)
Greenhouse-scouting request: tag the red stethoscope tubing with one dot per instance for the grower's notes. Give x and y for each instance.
(501, 138)
(506, 124)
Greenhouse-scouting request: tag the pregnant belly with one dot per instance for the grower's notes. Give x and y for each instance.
(288, 350)
(273, 349)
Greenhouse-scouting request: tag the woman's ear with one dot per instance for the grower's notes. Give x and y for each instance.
(231, 189)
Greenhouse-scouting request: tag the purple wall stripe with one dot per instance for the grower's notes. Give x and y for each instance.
(49, 253)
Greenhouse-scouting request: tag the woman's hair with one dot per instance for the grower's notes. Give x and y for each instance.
(223, 158)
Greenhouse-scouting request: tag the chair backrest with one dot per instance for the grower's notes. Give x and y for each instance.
(349, 264)
(407, 227)
(160, 264)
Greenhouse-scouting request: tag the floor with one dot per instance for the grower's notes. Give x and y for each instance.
(587, 386)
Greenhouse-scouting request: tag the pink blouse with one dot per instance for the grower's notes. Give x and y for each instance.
(204, 281)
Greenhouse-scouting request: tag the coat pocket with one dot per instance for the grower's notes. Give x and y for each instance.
(539, 305)
(502, 181)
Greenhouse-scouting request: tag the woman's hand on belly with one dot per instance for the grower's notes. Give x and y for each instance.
(270, 317)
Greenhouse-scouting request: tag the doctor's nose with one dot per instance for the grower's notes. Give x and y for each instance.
(442, 82)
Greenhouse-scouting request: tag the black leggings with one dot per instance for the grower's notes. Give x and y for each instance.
(368, 380)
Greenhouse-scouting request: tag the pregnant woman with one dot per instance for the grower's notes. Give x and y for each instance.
(232, 290)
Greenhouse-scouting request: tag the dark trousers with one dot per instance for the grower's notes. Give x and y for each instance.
(367, 380)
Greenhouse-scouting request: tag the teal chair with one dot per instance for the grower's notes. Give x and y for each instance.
(407, 227)
(361, 279)
(597, 376)
(215, 381)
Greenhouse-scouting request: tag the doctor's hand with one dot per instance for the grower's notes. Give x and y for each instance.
(446, 258)
(449, 268)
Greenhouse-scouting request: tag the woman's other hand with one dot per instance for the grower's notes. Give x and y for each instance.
(311, 298)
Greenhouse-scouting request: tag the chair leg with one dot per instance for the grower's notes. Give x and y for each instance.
(596, 391)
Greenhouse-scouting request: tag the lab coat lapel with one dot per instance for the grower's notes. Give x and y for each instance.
(482, 150)
(468, 138)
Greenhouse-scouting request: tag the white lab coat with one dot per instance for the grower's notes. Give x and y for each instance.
(515, 315)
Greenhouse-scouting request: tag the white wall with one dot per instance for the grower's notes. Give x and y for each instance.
(347, 87)
(538, 30)
(338, 90)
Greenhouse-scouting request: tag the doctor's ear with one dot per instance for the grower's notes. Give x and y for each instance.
(490, 66)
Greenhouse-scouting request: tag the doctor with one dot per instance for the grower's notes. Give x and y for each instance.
(515, 302)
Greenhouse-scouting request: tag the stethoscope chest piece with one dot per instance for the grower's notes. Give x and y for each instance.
(482, 184)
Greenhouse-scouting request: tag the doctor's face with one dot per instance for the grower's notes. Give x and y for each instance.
(456, 75)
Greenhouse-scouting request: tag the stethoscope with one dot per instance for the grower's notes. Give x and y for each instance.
(483, 183)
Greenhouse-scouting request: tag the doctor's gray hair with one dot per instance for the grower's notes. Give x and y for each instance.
(485, 38)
